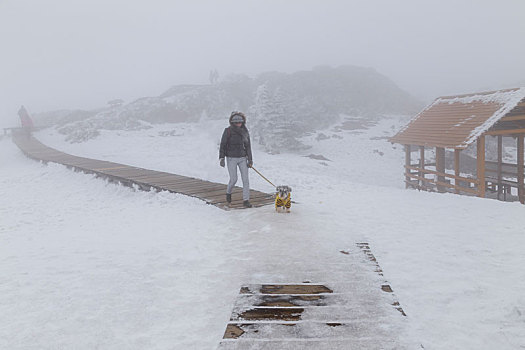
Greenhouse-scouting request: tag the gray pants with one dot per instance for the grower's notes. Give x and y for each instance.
(233, 163)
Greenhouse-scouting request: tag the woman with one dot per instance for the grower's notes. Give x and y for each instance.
(236, 148)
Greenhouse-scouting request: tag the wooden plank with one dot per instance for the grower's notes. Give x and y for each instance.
(215, 193)
(294, 289)
(45, 152)
(407, 161)
(233, 331)
(432, 143)
(258, 202)
(521, 190)
(236, 194)
(174, 183)
(192, 192)
(481, 166)
(151, 176)
(192, 188)
(503, 172)
(456, 167)
(205, 190)
(239, 205)
(428, 141)
(214, 197)
(128, 172)
(445, 109)
(272, 313)
(505, 132)
(79, 162)
(428, 171)
(421, 133)
(349, 333)
(92, 167)
(307, 300)
(195, 193)
(445, 184)
(82, 160)
(512, 118)
(502, 163)
(446, 127)
(421, 160)
(164, 181)
(440, 166)
(111, 168)
(238, 198)
(288, 331)
(168, 177)
(499, 169)
(153, 180)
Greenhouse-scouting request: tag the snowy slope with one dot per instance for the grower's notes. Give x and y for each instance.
(88, 264)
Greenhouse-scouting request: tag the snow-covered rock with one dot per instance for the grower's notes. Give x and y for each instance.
(281, 107)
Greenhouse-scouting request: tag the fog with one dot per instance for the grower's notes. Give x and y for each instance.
(80, 54)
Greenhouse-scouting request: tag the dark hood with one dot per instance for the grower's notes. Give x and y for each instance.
(243, 118)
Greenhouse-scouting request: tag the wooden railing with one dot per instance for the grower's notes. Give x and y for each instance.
(455, 186)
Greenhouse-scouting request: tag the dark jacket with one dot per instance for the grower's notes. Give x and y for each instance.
(235, 142)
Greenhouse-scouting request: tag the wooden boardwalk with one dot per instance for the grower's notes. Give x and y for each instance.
(144, 179)
(331, 315)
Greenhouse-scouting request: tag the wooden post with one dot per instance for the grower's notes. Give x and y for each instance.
(407, 163)
(422, 163)
(500, 160)
(481, 166)
(440, 166)
(456, 168)
(521, 194)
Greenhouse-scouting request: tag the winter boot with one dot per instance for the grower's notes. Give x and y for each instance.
(247, 204)
(228, 197)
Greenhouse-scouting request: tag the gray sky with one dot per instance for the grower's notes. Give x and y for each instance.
(80, 54)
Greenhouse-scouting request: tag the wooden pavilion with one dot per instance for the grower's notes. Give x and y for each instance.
(450, 125)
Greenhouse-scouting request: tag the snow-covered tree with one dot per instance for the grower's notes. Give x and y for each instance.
(260, 112)
(274, 124)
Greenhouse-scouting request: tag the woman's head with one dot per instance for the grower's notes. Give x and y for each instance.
(237, 119)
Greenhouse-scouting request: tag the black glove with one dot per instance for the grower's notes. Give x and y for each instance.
(221, 162)
(250, 163)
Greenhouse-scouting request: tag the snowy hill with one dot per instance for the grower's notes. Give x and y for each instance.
(276, 103)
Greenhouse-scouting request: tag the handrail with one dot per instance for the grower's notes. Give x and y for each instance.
(428, 171)
(439, 183)
(502, 163)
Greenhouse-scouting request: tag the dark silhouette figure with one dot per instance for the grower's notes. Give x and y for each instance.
(26, 121)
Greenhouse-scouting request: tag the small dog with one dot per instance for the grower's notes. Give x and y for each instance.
(283, 198)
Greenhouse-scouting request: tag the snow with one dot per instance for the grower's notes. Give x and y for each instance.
(507, 99)
(89, 264)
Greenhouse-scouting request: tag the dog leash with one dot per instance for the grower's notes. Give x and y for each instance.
(270, 182)
(263, 176)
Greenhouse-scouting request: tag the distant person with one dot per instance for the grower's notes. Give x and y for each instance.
(26, 121)
(236, 148)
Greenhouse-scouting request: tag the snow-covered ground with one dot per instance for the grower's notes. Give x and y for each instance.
(86, 264)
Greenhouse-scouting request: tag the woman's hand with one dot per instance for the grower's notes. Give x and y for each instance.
(221, 162)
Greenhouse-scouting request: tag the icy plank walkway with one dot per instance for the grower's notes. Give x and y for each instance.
(144, 179)
(350, 312)
(301, 292)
